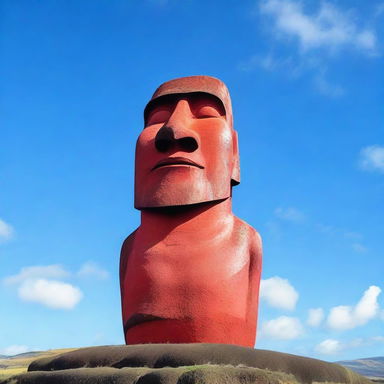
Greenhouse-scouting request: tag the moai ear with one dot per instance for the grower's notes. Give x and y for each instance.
(235, 177)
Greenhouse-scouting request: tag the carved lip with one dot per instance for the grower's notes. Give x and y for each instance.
(139, 318)
(176, 161)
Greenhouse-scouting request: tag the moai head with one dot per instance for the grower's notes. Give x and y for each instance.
(188, 152)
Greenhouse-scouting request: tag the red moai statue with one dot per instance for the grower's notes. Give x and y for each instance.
(191, 272)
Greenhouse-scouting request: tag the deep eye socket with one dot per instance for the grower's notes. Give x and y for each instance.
(158, 115)
(206, 111)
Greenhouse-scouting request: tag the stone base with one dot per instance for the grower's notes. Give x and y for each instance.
(182, 364)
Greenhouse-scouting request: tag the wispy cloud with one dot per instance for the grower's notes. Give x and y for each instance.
(372, 158)
(315, 317)
(314, 37)
(329, 28)
(333, 346)
(272, 63)
(55, 271)
(326, 88)
(355, 239)
(359, 248)
(278, 293)
(92, 270)
(282, 328)
(379, 11)
(345, 317)
(290, 214)
(14, 350)
(6, 231)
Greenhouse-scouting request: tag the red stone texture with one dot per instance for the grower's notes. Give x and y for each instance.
(191, 272)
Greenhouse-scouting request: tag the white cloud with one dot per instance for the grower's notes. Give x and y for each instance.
(50, 293)
(333, 347)
(6, 231)
(14, 350)
(35, 284)
(315, 317)
(330, 28)
(372, 158)
(54, 271)
(289, 214)
(91, 269)
(273, 63)
(329, 347)
(282, 328)
(278, 293)
(345, 317)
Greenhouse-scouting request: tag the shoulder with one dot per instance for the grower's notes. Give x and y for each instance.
(128, 243)
(248, 234)
(243, 228)
(126, 250)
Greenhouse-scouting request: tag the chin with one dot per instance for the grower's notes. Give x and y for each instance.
(174, 194)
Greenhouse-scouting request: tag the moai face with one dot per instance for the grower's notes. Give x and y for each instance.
(187, 153)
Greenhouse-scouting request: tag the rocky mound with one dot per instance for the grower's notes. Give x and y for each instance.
(182, 364)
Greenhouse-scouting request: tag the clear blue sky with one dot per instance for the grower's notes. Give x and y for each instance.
(307, 84)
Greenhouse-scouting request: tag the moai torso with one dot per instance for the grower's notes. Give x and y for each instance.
(191, 271)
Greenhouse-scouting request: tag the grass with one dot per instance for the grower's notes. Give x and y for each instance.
(15, 365)
(9, 372)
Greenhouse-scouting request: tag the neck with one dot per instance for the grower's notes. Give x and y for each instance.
(204, 216)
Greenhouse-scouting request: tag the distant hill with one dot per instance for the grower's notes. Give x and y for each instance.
(13, 365)
(372, 367)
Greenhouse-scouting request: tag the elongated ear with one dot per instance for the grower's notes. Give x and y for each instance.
(235, 177)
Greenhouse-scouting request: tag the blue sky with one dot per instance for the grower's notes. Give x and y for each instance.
(306, 81)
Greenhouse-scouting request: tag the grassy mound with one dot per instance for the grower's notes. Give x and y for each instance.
(202, 374)
(14, 365)
(182, 364)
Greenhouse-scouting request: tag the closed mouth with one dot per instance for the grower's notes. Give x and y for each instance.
(139, 318)
(176, 161)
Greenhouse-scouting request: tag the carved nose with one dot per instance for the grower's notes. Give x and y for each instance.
(165, 141)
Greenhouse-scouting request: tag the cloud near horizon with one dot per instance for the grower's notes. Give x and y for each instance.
(329, 347)
(333, 346)
(282, 328)
(346, 317)
(14, 350)
(278, 293)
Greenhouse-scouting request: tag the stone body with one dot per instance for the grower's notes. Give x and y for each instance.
(191, 272)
